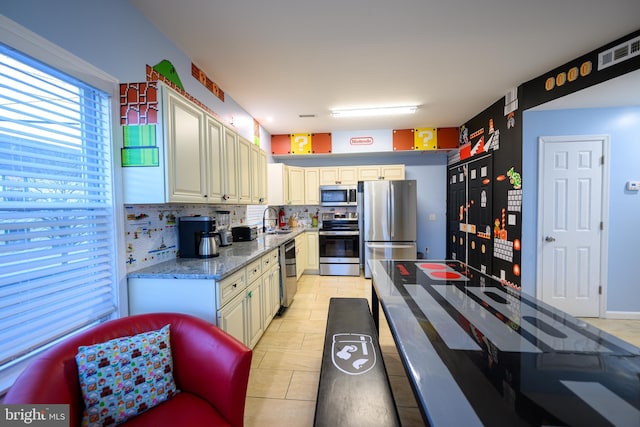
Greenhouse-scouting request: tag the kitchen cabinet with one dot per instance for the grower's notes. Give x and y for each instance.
(191, 296)
(343, 175)
(230, 193)
(186, 149)
(301, 254)
(271, 285)
(243, 304)
(258, 169)
(312, 186)
(244, 171)
(313, 260)
(231, 318)
(199, 160)
(377, 172)
(254, 309)
(296, 186)
(217, 169)
(278, 189)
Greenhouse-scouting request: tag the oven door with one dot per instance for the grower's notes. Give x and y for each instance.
(339, 253)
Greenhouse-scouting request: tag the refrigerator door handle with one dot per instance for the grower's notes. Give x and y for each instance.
(391, 206)
(383, 245)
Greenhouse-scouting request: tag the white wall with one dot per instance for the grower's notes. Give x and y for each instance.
(623, 127)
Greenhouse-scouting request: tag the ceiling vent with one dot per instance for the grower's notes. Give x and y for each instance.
(620, 53)
(306, 116)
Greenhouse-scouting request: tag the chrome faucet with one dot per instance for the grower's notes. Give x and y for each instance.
(264, 225)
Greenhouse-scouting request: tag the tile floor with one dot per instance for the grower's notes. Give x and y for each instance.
(286, 361)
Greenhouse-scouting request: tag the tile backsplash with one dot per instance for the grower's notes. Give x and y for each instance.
(151, 231)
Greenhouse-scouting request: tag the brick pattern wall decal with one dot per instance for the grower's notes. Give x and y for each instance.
(139, 103)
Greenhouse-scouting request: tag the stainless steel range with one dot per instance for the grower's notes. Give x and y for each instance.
(339, 240)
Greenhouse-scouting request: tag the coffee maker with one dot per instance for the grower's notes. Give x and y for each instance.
(190, 229)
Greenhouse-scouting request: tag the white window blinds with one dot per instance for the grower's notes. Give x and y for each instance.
(57, 257)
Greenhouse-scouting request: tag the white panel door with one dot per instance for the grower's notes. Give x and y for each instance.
(570, 219)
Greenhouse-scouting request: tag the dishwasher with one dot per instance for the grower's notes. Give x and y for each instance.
(288, 278)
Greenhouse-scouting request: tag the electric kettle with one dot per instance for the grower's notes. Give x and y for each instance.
(208, 247)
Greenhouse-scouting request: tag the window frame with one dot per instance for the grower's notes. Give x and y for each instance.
(40, 49)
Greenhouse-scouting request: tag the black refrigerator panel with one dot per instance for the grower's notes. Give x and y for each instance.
(479, 217)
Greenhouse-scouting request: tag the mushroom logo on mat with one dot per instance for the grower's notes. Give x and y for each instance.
(353, 354)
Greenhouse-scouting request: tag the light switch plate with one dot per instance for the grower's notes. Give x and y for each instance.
(633, 185)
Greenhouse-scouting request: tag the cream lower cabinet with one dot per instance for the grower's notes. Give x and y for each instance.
(271, 278)
(242, 304)
(313, 260)
(231, 318)
(255, 308)
(301, 254)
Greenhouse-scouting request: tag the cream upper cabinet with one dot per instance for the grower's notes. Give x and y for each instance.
(258, 174)
(377, 172)
(278, 190)
(391, 172)
(244, 171)
(230, 158)
(296, 186)
(368, 173)
(261, 174)
(343, 175)
(328, 176)
(216, 166)
(186, 150)
(312, 186)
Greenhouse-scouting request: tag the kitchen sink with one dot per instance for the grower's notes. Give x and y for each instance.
(279, 231)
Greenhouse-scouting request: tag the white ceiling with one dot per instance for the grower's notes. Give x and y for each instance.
(454, 58)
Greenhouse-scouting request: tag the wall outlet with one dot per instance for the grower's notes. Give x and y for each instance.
(633, 185)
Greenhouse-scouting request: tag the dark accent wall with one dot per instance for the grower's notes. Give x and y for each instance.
(484, 186)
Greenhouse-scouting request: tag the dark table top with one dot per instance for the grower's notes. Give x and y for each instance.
(480, 353)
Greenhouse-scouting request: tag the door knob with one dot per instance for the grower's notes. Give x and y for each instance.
(549, 239)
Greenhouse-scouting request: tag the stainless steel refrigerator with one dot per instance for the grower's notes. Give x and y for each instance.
(387, 214)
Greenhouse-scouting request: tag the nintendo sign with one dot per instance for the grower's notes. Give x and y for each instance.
(361, 140)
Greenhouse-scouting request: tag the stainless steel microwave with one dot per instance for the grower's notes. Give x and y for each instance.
(338, 195)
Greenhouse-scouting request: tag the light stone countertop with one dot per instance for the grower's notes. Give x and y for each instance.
(231, 259)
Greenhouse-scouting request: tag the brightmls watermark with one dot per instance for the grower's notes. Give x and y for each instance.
(34, 415)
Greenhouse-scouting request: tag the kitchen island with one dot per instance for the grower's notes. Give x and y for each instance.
(480, 353)
(239, 290)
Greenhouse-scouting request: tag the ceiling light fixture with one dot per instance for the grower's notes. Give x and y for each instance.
(380, 111)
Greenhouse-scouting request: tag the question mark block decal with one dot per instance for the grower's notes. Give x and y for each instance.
(425, 139)
(301, 143)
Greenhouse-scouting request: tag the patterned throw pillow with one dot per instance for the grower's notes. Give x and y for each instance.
(124, 377)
